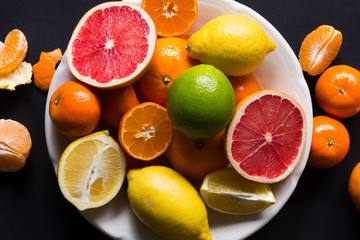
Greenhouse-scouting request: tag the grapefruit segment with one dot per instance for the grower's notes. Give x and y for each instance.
(112, 45)
(266, 137)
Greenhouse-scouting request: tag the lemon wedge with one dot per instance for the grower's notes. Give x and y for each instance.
(228, 192)
(91, 170)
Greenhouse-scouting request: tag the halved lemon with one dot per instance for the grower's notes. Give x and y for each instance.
(226, 191)
(91, 170)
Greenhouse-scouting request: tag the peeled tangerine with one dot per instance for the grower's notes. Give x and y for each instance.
(234, 44)
(167, 203)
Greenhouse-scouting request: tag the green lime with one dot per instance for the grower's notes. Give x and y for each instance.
(201, 101)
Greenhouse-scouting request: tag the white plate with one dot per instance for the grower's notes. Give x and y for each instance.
(280, 70)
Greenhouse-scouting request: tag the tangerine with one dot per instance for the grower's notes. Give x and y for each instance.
(75, 109)
(243, 86)
(354, 186)
(171, 17)
(319, 49)
(330, 142)
(196, 158)
(338, 91)
(116, 102)
(169, 60)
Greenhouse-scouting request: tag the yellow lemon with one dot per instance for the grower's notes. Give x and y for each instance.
(228, 192)
(234, 44)
(167, 203)
(91, 170)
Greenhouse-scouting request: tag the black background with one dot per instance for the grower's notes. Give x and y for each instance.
(31, 205)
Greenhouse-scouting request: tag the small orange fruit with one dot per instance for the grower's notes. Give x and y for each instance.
(196, 158)
(244, 86)
(170, 59)
(338, 91)
(171, 17)
(354, 186)
(145, 131)
(116, 102)
(319, 49)
(44, 70)
(75, 109)
(15, 145)
(330, 142)
(12, 51)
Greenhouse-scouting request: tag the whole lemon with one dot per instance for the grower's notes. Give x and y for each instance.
(235, 44)
(167, 203)
(201, 101)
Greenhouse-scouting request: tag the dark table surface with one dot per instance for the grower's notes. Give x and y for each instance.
(31, 205)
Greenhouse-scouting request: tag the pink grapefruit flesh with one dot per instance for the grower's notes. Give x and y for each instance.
(111, 45)
(266, 137)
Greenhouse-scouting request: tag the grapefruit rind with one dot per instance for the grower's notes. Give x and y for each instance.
(141, 68)
(239, 112)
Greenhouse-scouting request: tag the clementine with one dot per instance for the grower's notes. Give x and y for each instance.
(171, 17)
(243, 86)
(75, 109)
(330, 142)
(354, 186)
(169, 60)
(338, 91)
(196, 158)
(116, 102)
(319, 49)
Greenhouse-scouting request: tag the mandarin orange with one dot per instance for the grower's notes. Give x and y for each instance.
(319, 49)
(330, 142)
(116, 102)
(171, 17)
(338, 91)
(244, 86)
(170, 59)
(75, 109)
(196, 158)
(354, 186)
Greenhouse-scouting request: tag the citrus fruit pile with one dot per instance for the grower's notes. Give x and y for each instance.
(190, 102)
(337, 92)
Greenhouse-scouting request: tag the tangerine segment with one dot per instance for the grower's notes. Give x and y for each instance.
(145, 131)
(319, 49)
(12, 51)
(171, 17)
(15, 145)
(266, 137)
(112, 45)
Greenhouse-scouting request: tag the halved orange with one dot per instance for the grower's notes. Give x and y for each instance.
(319, 49)
(12, 51)
(171, 17)
(145, 131)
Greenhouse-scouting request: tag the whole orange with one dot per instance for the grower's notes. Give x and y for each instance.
(196, 158)
(338, 91)
(354, 186)
(75, 109)
(244, 86)
(330, 142)
(169, 60)
(116, 102)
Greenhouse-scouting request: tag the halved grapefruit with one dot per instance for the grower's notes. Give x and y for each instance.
(111, 45)
(266, 136)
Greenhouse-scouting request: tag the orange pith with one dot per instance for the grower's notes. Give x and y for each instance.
(169, 60)
(244, 86)
(15, 145)
(196, 158)
(338, 91)
(171, 17)
(75, 109)
(330, 142)
(12, 51)
(319, 49)
(145, 131)
(44, 70)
